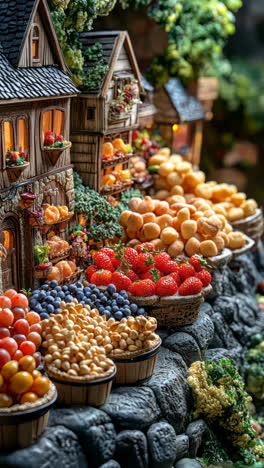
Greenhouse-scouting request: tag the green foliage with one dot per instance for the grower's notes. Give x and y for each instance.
(253, 367)
(97, 71)
(126, 197)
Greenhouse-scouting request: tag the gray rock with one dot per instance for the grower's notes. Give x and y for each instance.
(182, 446)
(171, 390)
(206, 308)
(132, 407)
(132, 449)
(197, 431)
(163, 333)
(221, 353)
(57, 447)
(223, 336)
(258, 257)
(162, 445)
(244, 274)
(185, 345)
(187, 463)
(94, 429)
(110, 464)
(202, 330)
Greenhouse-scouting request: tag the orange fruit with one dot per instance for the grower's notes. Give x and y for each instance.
(9, 369)
(119, 145)
(108, 180)
(29, 397)
(21, 382)
(32, 318)
(5, 400)
(41, 385)
(27, 363)
(1, 381)
(108, 150)
(36, 374)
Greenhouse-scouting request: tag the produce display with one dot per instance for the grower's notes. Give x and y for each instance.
(115, 150)
(139, 171)
(144, 145)
(54, 214)
(16, 158)
(113, 178)
(62, 271)
(52, 141)
(56, 246)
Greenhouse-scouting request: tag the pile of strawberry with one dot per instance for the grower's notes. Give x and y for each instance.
(145, 272)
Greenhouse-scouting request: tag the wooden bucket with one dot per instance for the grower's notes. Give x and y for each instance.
(79, 392)
(252, 226)
(135, 368)
(19, 429)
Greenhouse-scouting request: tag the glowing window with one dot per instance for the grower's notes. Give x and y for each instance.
(53, 120)
(8, 240)
(8, 136)
(35, 43)
(22, 128)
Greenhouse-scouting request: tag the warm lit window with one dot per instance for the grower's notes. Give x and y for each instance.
(22, 130)
(8, 240)
(35, 43)
(53, 120)
(8, 136)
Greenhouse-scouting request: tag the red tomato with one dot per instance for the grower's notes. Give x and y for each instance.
(5, 302)
(4, 357)
(10, 293)
(22, 327)
(4, 332)
(36, 328)
(19, 339)
(18, 355)
(6, 317)
(20, 300)
(9, 344)
(35, 338)
(19, 313)
(33, 317)
(27, 347)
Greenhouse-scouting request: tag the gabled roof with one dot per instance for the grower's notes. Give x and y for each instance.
(112, 43)
(188, 107)
(33, 83)
(15, 19)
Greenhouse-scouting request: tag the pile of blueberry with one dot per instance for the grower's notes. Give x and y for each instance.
(46, 300)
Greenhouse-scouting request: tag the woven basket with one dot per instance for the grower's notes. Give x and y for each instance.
(250, 245)
(173, 311)
(220, 260)
(22, 425)
(77, 391)
(252, 226)
(136, 367)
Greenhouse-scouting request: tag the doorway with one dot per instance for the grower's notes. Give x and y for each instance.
(10, 239)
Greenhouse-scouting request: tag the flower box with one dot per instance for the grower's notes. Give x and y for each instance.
(53, 154)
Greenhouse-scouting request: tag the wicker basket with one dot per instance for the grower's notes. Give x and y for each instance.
(138, 366)
(220, 260)
(252, 226)
(77, 391)
(250, 245)
(22, 425)
(173, 311)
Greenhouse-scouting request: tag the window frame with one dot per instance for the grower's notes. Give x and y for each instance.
(14, 122)
(32, 38)
(120, 80)
(47, 109)
(91, 109)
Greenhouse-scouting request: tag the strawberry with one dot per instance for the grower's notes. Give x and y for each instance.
(143, 288)
(153, 274)
(145, 247)
(131, 256)
(186, 270)
(107, 251)
(190, 286)
(205, 277)
(121, 281)
(89, 271)
(103, 261)
(101, 277)
(59, 138)
(166, 286)
(49, 140)
(161, 261)
(144, 262)
(131, 275)
(115, 262)
(176, 277)
(198, 262)
(171, 267)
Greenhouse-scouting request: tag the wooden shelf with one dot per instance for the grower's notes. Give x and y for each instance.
(114, 161)
(113, 190)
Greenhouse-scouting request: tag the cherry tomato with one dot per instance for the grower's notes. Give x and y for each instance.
(29, 397)
(36, 328)
(21, 382)
(5, 400)
(27, 363)
(19, 339)
(10, 293)
(9, 344)
(6, 317)
(27, 347)
(41, 385)
(4, 332)
(22, 326)
(33, 317)
(19, 313)
(9, 369)
(37, 357)
(4, 357)
(36, 374)
(2, 381)
(35, 338)
(18, 355)
(5, 302)
(20, 300)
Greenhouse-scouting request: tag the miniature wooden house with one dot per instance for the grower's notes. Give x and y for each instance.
(35, 95)
(96, 117)
(147, 109)
(180, 120)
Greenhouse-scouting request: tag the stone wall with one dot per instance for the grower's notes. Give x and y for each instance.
(149, 426)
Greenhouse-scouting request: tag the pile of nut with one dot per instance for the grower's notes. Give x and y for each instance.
(132, 334)
(77, 341)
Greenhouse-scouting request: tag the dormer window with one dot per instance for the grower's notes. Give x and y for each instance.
(35, 39)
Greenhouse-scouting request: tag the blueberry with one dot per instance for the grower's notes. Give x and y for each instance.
(96, 291)
(38, 309)
(53, 284)
(115, 295)
(104, 300)
(101, 309)
(56, 304)
(50, 309)
(86, 290)
(123, 294)
(44, 315)
(45, 287)
(35, 292)
(42, 296)
(88, 302)
(127, 312)
(79, 290)
(33, 303)
(61, 295)
(141, 311)
(78, 284)
(126, 302)
(65, 288)
(72, 288)
(50, 299)
(92, 286)
(101, 295)
(93, 297)
(120, 300)
(68, 298)
(53, 293)
(111, 288)
(108, 308)
(82, 302)
(133, 308)
(58, 288)
(107, 314)
(118, 315)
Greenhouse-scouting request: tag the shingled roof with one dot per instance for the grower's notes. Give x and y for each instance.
(32, 83)
(14, 19)
(188, 107)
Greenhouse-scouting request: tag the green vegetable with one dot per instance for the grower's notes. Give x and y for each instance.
(153, 168)
(41, 254)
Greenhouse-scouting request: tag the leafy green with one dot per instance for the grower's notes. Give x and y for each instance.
(41, 254)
